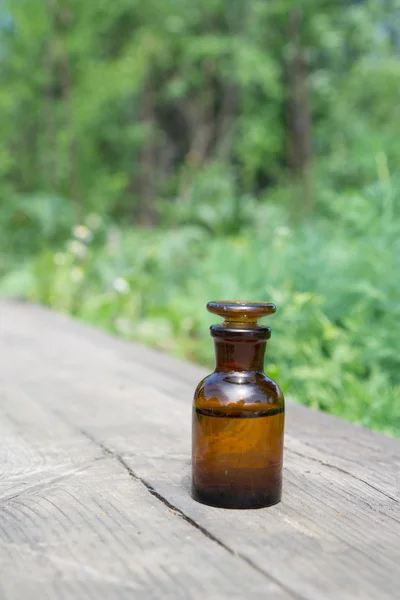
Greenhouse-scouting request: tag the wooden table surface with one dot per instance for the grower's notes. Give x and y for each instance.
(95, 484)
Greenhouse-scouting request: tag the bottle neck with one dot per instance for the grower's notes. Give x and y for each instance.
(246, 355)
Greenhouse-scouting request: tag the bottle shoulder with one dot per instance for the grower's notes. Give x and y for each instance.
(239, 388)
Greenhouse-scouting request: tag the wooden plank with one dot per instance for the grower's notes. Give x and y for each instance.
(36, 448)
(100, 534)
(335, 533)
(75, 521)
(331, 517)
(20, 321)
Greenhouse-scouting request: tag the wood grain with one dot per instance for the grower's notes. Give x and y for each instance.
(94, 485)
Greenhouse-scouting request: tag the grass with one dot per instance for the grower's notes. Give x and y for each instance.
(335, 342)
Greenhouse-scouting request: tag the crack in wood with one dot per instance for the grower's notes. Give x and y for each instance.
(336, 468)
(110, 453)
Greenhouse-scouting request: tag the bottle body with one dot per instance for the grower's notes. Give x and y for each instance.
(238, 427)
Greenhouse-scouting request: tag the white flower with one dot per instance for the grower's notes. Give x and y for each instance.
(94, 221)
(121, 285)
(77, 248)
(82, 233)
(59, 259)
(77, 274)
(283, 231)
(187, 324)
(124, 326)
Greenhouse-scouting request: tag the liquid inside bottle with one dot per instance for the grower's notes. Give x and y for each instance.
(238, 421)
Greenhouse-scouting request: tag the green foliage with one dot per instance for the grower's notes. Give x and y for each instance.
(119, 103)
(156, 155)
(335, 339)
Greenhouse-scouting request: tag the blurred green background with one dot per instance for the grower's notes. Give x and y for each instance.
(160, 154)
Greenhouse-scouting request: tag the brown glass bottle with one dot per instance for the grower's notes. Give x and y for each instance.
(238, 415)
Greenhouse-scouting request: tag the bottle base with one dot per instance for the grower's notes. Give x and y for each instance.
(228, 498)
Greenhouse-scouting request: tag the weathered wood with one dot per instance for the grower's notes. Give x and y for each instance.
(75, 521)
(96, 450)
